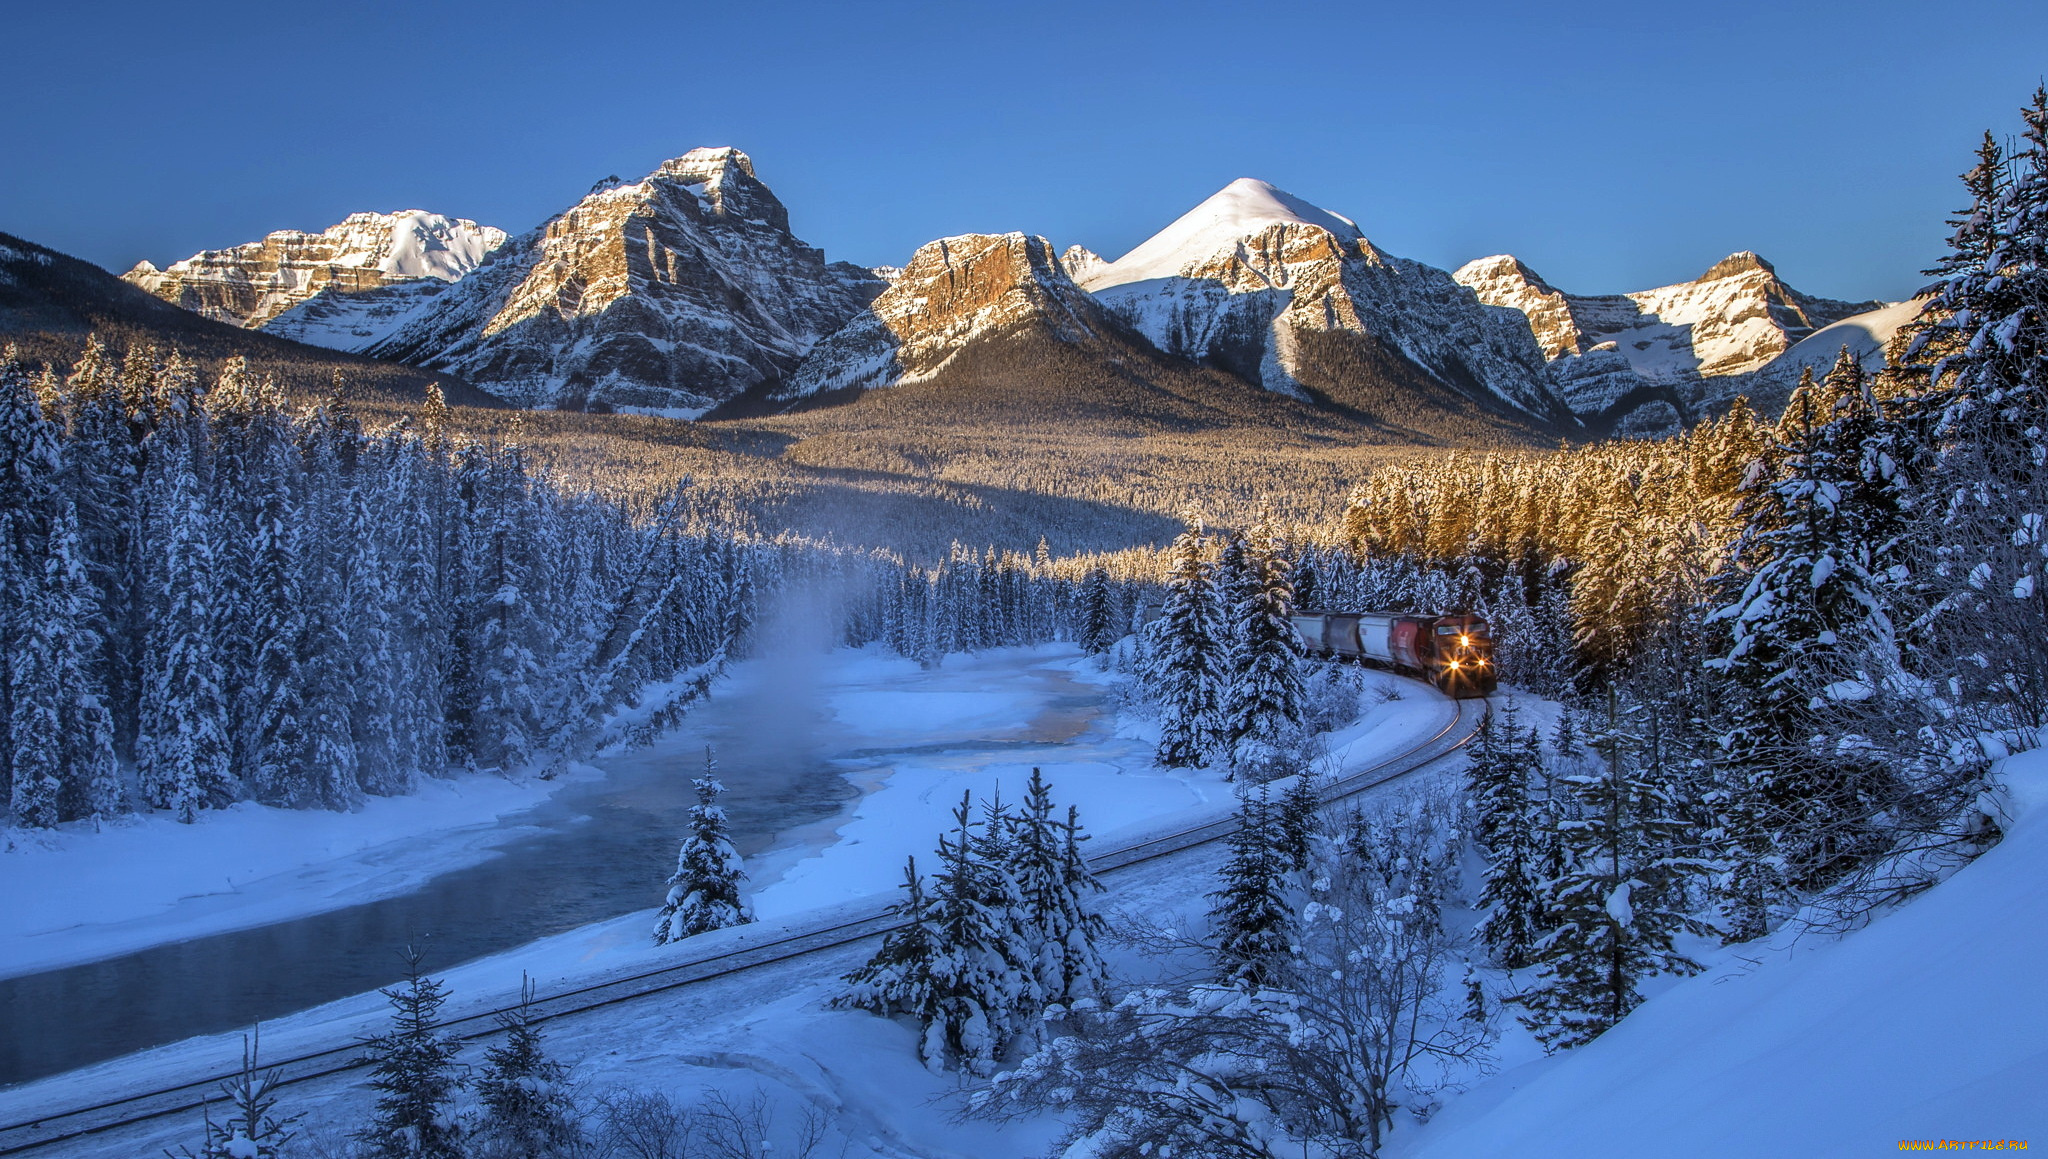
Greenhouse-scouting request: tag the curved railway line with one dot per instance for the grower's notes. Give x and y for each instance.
(57, 1127)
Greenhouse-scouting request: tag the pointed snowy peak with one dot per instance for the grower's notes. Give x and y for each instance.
(1242, 209)
(670, 294)
(1736, 265)
(1079, 261)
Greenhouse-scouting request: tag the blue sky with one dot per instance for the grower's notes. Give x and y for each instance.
(1611, 146)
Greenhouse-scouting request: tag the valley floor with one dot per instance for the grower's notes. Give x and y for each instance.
(911, 740)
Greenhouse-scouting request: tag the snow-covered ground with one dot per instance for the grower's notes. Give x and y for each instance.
(77, 896)
(1929, 1024)
(921, 738)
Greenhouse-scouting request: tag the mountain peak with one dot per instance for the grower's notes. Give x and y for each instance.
(707, 163)
(1500, 268)
(1736, 264)
(1244, 208)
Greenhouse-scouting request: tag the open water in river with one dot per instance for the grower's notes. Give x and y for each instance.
(596, 850)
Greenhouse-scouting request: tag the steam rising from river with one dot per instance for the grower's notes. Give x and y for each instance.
(776, 707)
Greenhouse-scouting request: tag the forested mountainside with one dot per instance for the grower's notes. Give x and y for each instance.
(51, 303)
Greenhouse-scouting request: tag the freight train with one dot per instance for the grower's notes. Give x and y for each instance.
(1455, 653)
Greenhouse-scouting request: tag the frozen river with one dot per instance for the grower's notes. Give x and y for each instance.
(794, 754)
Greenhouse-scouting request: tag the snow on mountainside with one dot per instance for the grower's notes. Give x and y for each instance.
(1926, 1025)
(1705, 339)
(670, 295)
(250, 285)
(1252, 275)
(954, 291)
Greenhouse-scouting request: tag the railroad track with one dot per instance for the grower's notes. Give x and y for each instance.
(63, 1126)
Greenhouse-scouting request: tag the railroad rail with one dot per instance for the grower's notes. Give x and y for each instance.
(49, 1130)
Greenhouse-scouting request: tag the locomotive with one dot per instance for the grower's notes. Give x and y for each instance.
(1455, 652)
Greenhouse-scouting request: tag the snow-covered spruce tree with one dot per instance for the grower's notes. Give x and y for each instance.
(1502, 759)
(1098, 615)
(413, 1071)
(956, 965)
(1305, 580)
(275, 747)
(33, 721)
(1348, 1030)
(1262, 699)
(1810, 627)
(1295, 819)
(91, 769)
(1625, 893)
(1982, 346)
(252, 1129)
(910, 972)
(526, 1109)
(29, 465)
(1252, 920)
(1055, 890)
(1184, 658)
(183, 752)
(704, 892)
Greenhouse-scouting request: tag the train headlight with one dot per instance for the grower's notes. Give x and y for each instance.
(1464, 641)
(1453, 664)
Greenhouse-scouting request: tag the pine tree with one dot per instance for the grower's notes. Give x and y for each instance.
(1502, 759)
(1054, 887)
(91, 769)
(704, 892)
(1262, 701)
(910, 972)
(1622, 898)
(1184, 662)
(30, 462)
(1252, 919)
(253, 1130)
(1098, 619)
(412, 1068)
(1982, 346)
(1812, 623)
(34, 696)
(526, 1109)
(1296, 818)
(982, 987)
(183, 754)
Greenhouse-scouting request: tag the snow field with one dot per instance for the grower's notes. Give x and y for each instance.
(1930, 1023)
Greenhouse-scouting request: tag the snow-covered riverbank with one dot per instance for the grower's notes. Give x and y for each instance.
(914, 739)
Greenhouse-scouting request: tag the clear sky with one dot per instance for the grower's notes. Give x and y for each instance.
(1611, 146)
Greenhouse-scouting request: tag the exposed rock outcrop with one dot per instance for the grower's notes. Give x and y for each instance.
(251, 285)
(671, 294)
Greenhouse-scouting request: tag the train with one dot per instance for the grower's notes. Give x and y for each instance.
(1453, 652)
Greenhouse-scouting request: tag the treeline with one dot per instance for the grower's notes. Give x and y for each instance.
(211, 596)
(1834, 622)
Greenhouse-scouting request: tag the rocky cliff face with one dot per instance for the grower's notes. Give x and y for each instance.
(671, 294)
(1243, 280)
(954, 291)
(251, 285)
(1707, 339)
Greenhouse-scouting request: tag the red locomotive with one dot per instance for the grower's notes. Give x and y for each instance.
(1455, 653)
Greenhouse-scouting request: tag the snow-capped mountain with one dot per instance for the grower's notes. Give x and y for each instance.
(252, 285)
(1709, 339)
(671, 294)
(1248, 278)
(954, 291)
